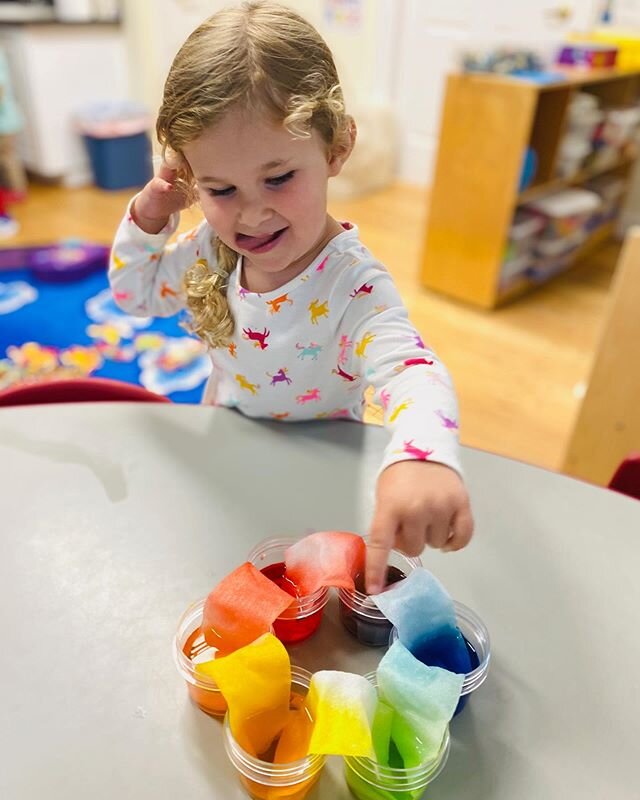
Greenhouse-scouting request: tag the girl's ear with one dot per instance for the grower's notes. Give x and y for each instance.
(342, 150)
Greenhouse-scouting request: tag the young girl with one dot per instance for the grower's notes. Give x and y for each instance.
(300, 318)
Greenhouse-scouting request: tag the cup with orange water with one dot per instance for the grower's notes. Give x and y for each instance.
(284, 771)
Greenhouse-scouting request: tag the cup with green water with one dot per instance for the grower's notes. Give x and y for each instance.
(370, 780)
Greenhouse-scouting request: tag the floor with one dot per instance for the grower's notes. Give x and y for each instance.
(518, 370)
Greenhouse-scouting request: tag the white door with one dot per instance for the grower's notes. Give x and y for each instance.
(432, 36)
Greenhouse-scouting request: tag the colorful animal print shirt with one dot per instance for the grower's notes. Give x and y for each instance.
(310, 349)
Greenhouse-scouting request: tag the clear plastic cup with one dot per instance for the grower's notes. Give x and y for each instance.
(303, 617)
(361, 616)
(189, 649)
(477, 637)
(267, 781)
(369, 780)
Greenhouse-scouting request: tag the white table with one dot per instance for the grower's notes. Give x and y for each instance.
(115, 517)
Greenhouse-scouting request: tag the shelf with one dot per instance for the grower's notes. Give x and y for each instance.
(524, 284)
(474, 192)
(573, 77)
(534, 192)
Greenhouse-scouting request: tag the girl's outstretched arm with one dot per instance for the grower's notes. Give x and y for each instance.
(420, 497)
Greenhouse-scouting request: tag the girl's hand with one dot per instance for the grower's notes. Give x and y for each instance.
(159, 199)
(418, 503)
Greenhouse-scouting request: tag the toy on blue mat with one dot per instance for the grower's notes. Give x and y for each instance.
(61, 262)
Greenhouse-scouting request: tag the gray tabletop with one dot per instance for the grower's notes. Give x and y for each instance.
(115, 517)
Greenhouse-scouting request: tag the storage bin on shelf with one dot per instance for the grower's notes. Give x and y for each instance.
(592, 55)
(511, 271)
(584, 114)
(616, 137)
(525, 227)
(566, 213)
(620, 125)
(568, 219)
(519, 251)
(584, 119)
(626, 40)
(572, 155)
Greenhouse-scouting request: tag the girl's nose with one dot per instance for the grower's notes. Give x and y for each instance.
(254, 213)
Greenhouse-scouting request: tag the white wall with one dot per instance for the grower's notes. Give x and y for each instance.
(626, 13)
(156, 29)
(432, 36)
(397, 54)
(362, 50)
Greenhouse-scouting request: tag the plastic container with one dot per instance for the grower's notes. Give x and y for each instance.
(190, 648)
(589, 54)
(572, 154)
(477, 637)
(121, 163)
(581, 102)
(115, 135)
(266, 781)
(525, 228)
(303, 617)
(584, 122)
(553, 248)
(369, 780)
(627, 40)
(620, 126)
(361, 616)
(514, 267)
(526, 224)
(566, 212)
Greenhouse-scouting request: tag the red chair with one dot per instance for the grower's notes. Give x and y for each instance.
(627, 477)
(80, 390)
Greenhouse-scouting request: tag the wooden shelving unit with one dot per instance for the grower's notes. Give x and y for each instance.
(487, 124)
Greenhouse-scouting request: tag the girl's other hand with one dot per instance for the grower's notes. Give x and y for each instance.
(418, 503)
(159, 199)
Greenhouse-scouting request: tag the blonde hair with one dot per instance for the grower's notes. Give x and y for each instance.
(260, 56)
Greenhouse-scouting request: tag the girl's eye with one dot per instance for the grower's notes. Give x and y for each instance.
(221, 192)
(280, 179)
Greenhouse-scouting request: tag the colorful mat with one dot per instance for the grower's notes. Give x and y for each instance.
(63, 329)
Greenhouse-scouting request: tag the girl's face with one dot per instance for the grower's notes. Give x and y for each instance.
(264, 193)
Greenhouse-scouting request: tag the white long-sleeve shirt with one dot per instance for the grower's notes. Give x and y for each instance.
(309, 349)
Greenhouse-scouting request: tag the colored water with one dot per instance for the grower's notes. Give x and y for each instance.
(288, 627)
(368, 630)
(445, 651)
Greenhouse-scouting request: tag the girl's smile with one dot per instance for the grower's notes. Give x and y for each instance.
(260, 243)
